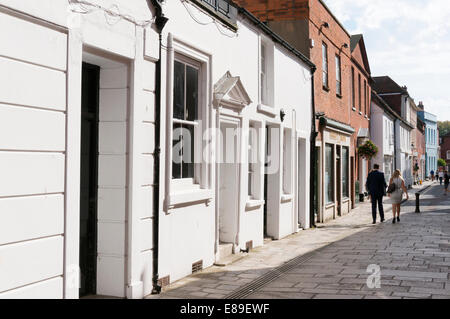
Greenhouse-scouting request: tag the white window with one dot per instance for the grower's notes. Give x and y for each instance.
(287, 161)
(266, 73)
(185, 117)
(324, 65)
(338, 76)
(345, 172)
(253, 161)
(448, 155)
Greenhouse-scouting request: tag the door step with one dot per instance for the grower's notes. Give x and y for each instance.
(222, 262)
(225, 255)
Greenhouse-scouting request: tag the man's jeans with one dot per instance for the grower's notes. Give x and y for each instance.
(379, 200)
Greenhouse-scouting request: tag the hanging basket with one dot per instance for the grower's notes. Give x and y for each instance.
(368, 150)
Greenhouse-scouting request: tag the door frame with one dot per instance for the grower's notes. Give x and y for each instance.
(237, 122)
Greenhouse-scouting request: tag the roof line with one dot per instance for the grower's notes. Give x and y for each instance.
(334, 17)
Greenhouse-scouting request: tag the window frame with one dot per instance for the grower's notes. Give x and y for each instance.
(338, 75)
(353, 89)
(359, 93)
(325, 76)
(329, 201)
(188, 62)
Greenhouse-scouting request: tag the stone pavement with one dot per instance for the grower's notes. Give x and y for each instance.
(413, 257)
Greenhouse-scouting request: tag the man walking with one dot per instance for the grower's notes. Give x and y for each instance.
(441, 176)
(376, 184)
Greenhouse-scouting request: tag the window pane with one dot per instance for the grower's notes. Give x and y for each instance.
(188, 151)
(329, 174)
(345, 179)
(178, 91)
(191, 93)
(177, 149)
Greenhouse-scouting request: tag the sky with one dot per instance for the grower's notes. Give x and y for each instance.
(408, 40)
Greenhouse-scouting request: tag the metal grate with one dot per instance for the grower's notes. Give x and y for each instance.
(197, 266)
(270, 276)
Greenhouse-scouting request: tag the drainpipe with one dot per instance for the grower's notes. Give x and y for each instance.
(160, 22)
(313, 162)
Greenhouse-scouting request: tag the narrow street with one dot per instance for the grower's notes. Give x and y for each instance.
(336, 260)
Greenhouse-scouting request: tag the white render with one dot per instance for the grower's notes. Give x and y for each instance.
(197, 224)
(40, 109)
(382, 133)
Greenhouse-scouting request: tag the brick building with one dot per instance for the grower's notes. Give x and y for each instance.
(445, 149)
(341, 93)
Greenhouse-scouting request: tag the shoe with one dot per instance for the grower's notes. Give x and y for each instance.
(398, 218)
(393, 220)
(382, 220)
(374, 222)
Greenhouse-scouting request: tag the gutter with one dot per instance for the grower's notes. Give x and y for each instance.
(160, 22)
(313, 162)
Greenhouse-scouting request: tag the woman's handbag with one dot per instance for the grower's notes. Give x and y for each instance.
(391, 188)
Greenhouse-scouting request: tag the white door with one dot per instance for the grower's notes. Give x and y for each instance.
(228, 181)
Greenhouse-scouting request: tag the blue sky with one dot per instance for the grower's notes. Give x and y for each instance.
(409, 40)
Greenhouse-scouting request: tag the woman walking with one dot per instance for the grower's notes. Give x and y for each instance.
(397, 195)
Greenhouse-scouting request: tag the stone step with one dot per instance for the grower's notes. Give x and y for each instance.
(225, 250)
(222, 262)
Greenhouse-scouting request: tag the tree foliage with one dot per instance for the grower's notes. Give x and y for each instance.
(441, 163)
(444, 128)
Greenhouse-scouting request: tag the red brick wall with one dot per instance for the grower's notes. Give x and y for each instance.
(276, 10)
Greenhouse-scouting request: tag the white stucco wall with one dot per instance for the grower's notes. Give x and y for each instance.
(41, 150)
(195, 224)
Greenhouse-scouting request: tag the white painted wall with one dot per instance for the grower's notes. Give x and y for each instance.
(39, 148)
(193, 225)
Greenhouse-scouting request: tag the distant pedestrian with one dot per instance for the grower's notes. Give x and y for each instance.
(376, 184)
(432, 175)
(446, 182)
(441, 176)
(395, 192)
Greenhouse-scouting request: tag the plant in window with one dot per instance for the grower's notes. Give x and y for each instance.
(368, 150)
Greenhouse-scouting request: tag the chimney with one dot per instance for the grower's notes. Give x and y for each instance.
(421, 105)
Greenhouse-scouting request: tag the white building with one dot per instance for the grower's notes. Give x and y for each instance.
(383, 134)
(85, 118)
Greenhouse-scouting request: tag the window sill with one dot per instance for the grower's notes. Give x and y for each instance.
(190, 196)
(338, 96)
(254, 203)
(354, 109)
(286, 198)
(267, 109)
(360, 113)
(329, 205)
(326, 88)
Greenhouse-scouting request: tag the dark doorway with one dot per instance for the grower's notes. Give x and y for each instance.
(266, 164)
(316, 185)
(339, 180)
(89, 178)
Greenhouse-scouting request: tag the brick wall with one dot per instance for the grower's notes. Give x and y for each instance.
(276, 10)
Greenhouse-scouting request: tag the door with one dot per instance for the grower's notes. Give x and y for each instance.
(228, 182)
(88, 179)
(338, 180)
(266, 164)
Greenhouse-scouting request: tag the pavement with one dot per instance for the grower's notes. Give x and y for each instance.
(346, 258)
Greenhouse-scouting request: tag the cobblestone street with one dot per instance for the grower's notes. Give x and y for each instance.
(413, 257)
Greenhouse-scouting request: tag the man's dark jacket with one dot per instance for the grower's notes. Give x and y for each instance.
(376, 184)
